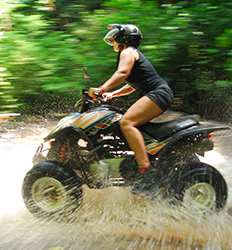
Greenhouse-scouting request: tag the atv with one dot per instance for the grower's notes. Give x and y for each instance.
(88, 148)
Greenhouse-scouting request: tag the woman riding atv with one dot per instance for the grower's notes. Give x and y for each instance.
(135, 68)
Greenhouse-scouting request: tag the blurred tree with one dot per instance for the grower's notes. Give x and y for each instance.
(44, 44)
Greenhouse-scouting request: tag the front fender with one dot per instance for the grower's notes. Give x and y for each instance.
(63, 126)
(59, 132)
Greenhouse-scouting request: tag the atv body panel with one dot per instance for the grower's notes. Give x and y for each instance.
(99, 118)
(163, 130)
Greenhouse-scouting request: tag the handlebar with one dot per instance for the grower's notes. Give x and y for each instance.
(95, 93)
(86, 102)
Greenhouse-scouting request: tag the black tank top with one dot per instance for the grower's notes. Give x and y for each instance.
(143, 76)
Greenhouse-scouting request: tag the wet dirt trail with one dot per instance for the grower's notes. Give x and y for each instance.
(109, 219)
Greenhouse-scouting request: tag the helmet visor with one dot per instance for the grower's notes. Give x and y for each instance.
(109, 37)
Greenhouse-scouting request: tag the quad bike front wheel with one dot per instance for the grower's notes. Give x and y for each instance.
(200, 186)
(52, 191)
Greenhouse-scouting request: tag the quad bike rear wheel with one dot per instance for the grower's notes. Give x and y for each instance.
(200, 186)
(52, 191)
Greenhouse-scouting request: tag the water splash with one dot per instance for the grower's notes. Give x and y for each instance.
(110, 218)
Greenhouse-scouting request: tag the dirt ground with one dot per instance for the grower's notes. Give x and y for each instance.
(110, 218)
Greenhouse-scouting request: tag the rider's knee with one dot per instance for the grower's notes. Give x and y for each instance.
(125, 123)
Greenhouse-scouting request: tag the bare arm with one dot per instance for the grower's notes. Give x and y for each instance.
(125, 90)
(126, 63)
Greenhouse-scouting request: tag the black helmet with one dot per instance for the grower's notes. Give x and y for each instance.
(128, 34)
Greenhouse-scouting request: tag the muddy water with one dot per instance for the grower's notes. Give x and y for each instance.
(109, 219)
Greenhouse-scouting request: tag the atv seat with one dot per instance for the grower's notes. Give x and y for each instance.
(163, 130)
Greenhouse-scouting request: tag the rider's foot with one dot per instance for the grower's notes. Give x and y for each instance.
(146, 182)
(144, 169)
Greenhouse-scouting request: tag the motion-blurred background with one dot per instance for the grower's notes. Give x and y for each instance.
(45, 44)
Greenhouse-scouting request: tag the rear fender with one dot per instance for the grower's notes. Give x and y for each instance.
(195, 139)
(194, 167)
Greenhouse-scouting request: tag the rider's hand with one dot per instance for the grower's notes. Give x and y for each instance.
(107, 96)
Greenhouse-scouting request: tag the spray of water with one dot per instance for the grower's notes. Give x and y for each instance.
(110, 218)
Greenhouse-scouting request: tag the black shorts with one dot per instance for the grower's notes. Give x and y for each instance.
(162, 96)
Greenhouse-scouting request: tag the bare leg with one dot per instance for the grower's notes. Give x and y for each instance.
(139, 113)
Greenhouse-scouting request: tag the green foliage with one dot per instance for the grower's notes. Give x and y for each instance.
(44, 45)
